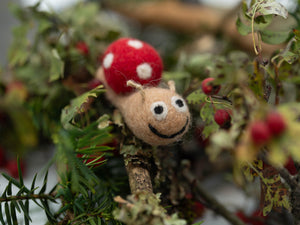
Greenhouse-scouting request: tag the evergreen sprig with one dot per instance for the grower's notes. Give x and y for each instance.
(19, 202)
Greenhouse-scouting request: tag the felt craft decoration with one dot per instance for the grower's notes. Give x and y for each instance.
(158, 116)
(131, 59)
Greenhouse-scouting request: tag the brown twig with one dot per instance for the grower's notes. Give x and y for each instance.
(27, 197)
(278, 84)
(212, 203)
(138, 171)
(223, 98)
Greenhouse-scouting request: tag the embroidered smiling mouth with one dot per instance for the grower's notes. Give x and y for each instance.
(157, 133)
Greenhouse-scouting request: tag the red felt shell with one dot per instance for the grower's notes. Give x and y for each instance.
(123, 57)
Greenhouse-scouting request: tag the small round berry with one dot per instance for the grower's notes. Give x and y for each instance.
(12, 168)
(82, 48)
(209, 88)
(276, 123)
(198, 208)
(93, 84)
(3, 159)
(260, 133)
(290, 166)
(222, 118)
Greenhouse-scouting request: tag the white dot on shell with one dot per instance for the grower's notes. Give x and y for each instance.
(144, 71)
(108, 59)
(135, 44)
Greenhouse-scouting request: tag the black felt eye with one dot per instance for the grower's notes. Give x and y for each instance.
(159, 110)
(179, 104)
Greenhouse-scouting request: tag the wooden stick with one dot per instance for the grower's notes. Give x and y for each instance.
(138, 171)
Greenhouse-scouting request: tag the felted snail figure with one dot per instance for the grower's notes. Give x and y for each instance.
(131, 71)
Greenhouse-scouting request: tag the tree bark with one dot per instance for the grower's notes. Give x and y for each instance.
(138, 170)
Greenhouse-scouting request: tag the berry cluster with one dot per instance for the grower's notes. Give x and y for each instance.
(10, 165)
(262, 131)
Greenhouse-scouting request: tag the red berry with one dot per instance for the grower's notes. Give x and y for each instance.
(188, 196)
(198, 208)
(2, 157)
(131, 59)
(260, 133)
(290, 166)
(257, 218)
(275, 123)
(209, 88)
(12, 167)
(222, 118)
(17, 89)
(241, 215)
(199, 136)
(82, 48)
(93, 84)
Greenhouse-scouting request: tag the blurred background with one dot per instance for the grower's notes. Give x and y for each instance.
(7, 21)
(164, 30)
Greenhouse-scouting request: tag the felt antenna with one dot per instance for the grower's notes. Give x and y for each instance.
(171, 85)
(138, 86)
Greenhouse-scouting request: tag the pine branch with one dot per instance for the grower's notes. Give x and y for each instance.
(50, 197)
(14, 203)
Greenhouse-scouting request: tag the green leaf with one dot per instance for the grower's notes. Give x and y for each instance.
(47, 210)
(274, 37)
(20, 172)
(82, 14)
(33, 184)
(43, 189)
(17, 11)
(13, 214)
(16, 206)
(25, 210)
(7, 214)
(19, 53)
(207, 115)
(268, 208)
(291, 52)
(198, 223)
(15, 182)
(244, 21)
(1, 216)
(44, 25)
(77, 106)
(273, 30)
(56, 66)
(8, 189)
(267, 7)
(196, 97)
